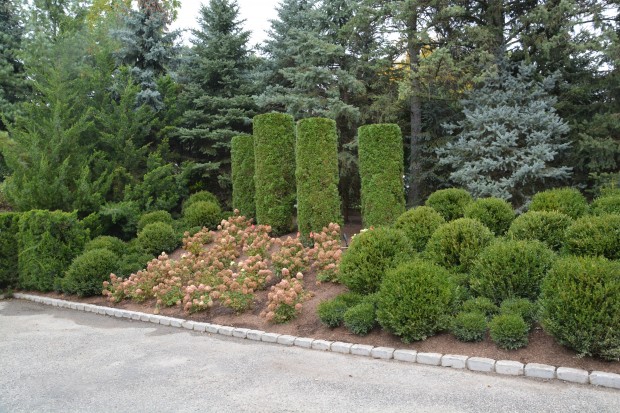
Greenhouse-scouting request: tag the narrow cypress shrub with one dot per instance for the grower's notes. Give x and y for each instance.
(318, 202)
(274, 175)
(242, 162)
(8, 249)
(47, 242)
(381, 172)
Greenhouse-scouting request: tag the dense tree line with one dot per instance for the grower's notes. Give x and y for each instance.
(104, 110)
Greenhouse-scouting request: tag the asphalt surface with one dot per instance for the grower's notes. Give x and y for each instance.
(59, 360)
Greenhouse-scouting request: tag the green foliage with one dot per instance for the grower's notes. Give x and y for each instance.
(595, 236)
(362, 318)
(331, 312)
(521, 306)
(580, 305)
(155, 216)
(605, 205)
(86, 274)
(116, 245)
(456, 244)
(316, 151)
(48, 242)
(158, 237)
(243, 163)
(481, 305)
(415, 300)
(469, 326)
(495, 213)
(370, 255)
(12, 80)
(381, 171)
(418, 224)
(120, 219)
(568, 201)
(8, 249)
(450, 203)
(274, 150)
(200, 196)
(511, 269)
(509, 331)
(545, 226)
(202, 214)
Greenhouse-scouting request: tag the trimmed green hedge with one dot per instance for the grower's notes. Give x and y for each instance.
(545, 226)
(48, 242)
(243, 163)
(595, 236)
(381, 172)
(154, 216)
(318, 201)
(8, 249)
(274, 175)
(450, 202)
(86, 274)
(495, 213)
(605, 205)
(418, 224)
(568, 201)
(158, 237)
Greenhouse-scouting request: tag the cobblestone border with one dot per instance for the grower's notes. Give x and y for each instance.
(477, 364)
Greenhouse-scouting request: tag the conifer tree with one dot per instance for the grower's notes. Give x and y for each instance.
(12, 79)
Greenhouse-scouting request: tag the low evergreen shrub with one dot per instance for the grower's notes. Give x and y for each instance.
(155, 216)
(568, 201)
(116, 245)
(450, 203)
(200, 196)
(546, 226)
(158, 237)
(86, 274)
(496, 214)
(605, 205)
(9, 226)
(469, 326)
(202, 214)
(362, 318)
(595, 236)
(119, 219)
(415, 300)
(331, 312)
(481, 305)
(521, 306)
(418, 224)
(509, 331)
(456, 244)
(370, 255)
(511, 269)
(242, 164)
(580, 305)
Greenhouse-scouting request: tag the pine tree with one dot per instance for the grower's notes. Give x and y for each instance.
(217, 92)
(12, 78)
(510, 142)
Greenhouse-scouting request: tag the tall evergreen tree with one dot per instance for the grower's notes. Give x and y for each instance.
(12, 79)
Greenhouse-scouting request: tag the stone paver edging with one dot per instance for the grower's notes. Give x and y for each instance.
(477, 364)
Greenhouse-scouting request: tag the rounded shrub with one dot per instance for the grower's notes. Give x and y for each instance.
(595, 236)
(361, 318)
(456, 244)
(605, 205)
(496, 214)
(116, 245)
(202, 214)
(381, 168)
(568, 201)
(242, 164)
(331, 312)
(274, 174)
(418, 224)
(155, 216)
(481, 305)
(511, 268)
(370, 255)
(415, 300)
(509, 331)
(86, 274)
(521, 306)
(200, 196)
(580, 305)
(318, 200)
(469, 326)
(545, 226)
(450, 203)
(158, 237)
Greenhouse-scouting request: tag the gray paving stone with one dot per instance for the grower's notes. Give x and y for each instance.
(176, 322)
(270, 337)
(128, 314)
(212, 328)
(73, 306)
(101, 310)
(79, 307)
(136, 316)
(509, 367)
(109, 311)
(240, 332)
(188, 325)
(572, 375)
(164, 321)
(361, 350)
(226, 331)
(481, 364)
(255, 335)
(453, 360)
(304, 342)
(286, 340)
(539, 371)
(386, 353)
(341, 347)
(600, 378)
(405, 355)
(433, 359)
(145, 317)
(118, 313)
(322, 345)
(201, 327)
(155, 319)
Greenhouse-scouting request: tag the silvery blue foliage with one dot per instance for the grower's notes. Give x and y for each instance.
(510, 140)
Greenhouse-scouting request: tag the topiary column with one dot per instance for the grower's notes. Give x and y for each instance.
(242, 158)
(381, 171)
(274, 175)
(318, 201)
(8, 249)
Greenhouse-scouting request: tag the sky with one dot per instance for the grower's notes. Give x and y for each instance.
(256, 14)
